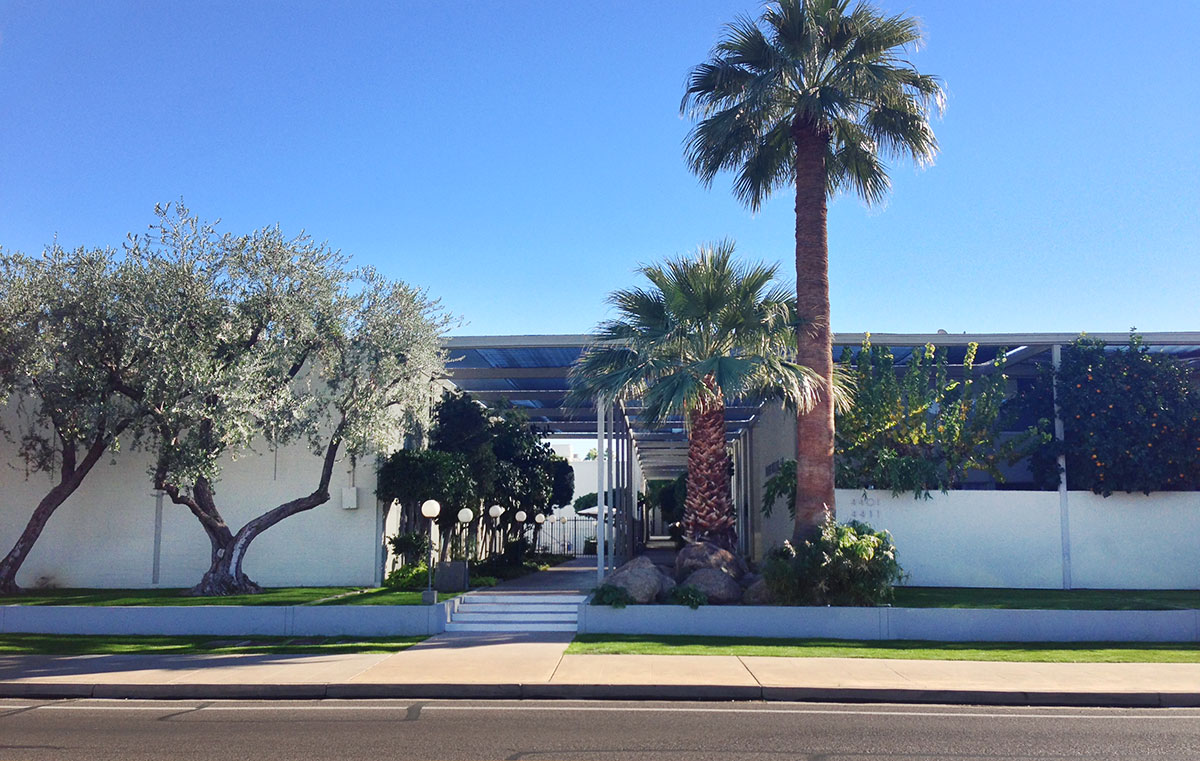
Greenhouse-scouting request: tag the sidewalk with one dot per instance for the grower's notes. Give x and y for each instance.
(535, 666)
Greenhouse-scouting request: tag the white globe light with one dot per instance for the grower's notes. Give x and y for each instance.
(563, 519)
(520, 516)
(430, 508)
(465, 515)
(495, 511)
(539, 519)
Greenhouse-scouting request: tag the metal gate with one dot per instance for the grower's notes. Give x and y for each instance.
(570, 536)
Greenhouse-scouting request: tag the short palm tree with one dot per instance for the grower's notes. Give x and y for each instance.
(810, 96)
(706, 330)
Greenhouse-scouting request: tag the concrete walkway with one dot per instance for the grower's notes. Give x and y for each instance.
(534, 665)
(574, 577)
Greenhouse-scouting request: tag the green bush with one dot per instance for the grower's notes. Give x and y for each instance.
(611, 594)
(688, 595)
(848, 564)
(409, 577)
(413, 546)
(483, 581)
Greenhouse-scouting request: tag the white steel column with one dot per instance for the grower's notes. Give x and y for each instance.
(631, 520)
(610, 442)
(601, 488)
(1064, 516)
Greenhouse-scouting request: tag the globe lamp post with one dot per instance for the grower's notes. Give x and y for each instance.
(430, 508)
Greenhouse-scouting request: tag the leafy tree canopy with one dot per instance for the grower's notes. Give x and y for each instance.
(1131, 419)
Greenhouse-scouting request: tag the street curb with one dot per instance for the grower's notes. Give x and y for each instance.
(551, 691)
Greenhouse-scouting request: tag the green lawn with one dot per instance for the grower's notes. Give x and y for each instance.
(56, 644)
(124, 597)
(1042, 652)
(1054, 599)
(385, 596)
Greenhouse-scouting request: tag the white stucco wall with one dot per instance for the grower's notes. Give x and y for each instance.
(772, 440)
(103, 535)
(967, 538)
(1135, 541)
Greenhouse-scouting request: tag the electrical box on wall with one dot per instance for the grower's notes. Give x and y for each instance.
(349, 497)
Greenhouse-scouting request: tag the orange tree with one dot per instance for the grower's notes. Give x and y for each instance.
(1132, 420)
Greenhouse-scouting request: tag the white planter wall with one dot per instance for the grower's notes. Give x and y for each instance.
(231, 620)
(896, 623)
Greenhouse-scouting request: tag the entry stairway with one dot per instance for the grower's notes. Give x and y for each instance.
(497, 612)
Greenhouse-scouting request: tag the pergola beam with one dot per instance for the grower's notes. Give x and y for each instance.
(501, 373)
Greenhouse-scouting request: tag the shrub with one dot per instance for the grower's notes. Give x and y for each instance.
(409, 577)
(611, 594)
(688, 595)
(848, 564)
(413, 546)
(483, 581)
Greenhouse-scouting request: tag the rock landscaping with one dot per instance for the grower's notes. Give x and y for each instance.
(723, 577)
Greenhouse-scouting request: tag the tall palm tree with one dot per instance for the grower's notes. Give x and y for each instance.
(707, 329)
(811, 95)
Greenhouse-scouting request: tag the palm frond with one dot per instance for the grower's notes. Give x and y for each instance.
(824, 65)
(707, 324)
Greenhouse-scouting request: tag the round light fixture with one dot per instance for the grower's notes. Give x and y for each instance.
(539, 519)
(520, 516)
(465, 515)
(495, 511)
(430, 508)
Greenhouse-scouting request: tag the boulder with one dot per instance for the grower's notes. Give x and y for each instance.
(667, 585)
(720, 587)
(640, 578)
(699, 555)
(758, 594)
(749, 579)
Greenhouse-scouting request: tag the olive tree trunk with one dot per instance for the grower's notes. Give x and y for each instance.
(225, 575)
(814, 339)
(71, 475)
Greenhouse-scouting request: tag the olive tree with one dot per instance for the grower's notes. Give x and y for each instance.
(271, 341)
(64, 347)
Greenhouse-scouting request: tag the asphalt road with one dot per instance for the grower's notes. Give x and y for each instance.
(606, 731)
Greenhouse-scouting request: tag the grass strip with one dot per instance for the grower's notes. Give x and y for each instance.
(1047, 599)
(384, 596)
(1032, 652)
(62, 644)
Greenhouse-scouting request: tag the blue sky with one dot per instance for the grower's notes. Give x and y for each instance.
(519, 159)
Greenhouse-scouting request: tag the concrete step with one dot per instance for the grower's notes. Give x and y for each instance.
(532, 599)
(510, 608)
(514, 618)
(506, 627)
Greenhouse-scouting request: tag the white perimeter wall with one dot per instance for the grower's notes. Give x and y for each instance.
(103, 535)
(1006, 538)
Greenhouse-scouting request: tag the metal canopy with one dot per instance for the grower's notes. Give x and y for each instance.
(531, 371)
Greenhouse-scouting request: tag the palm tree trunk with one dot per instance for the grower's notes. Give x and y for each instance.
(814, 339)
(708, 510)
